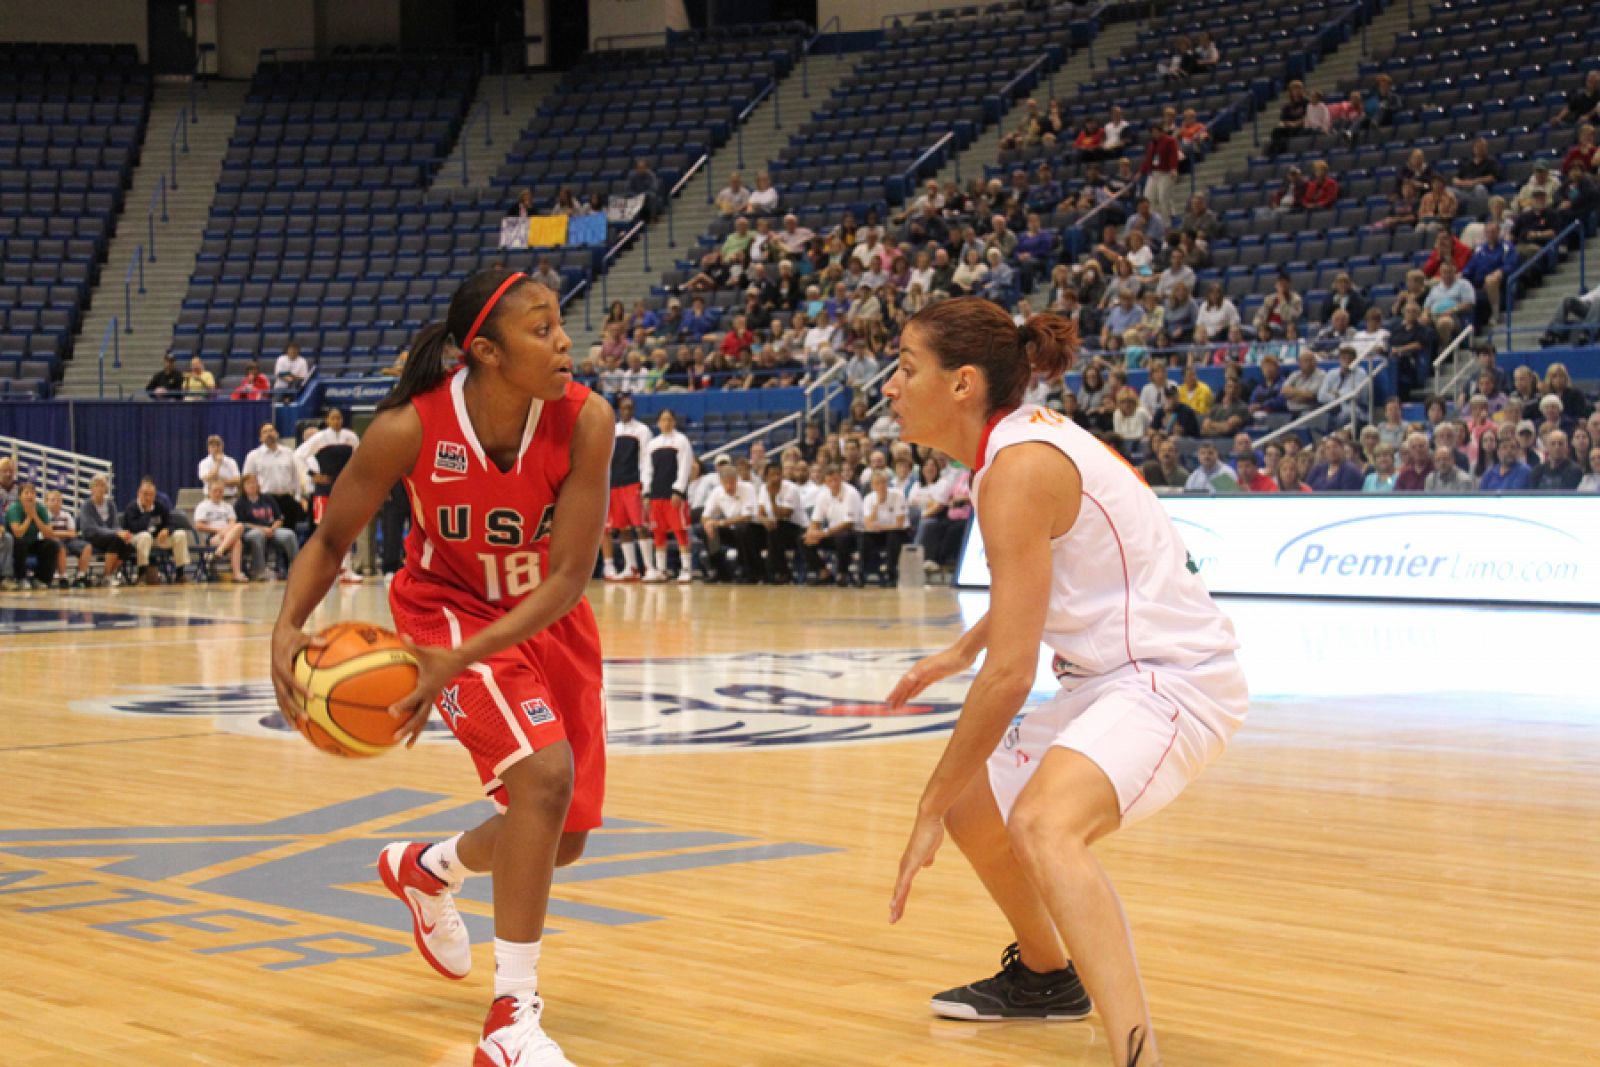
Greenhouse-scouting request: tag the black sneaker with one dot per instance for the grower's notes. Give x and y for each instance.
(1016, 993)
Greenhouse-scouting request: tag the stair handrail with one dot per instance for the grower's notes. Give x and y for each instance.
(112, 337)
(1550, 250)
(810, 43)
(1372, 364)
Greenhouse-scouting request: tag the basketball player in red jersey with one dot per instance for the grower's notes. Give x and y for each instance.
(505, 459)
(1085, 561)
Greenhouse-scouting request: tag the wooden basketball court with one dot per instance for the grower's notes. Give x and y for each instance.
(1365, 878)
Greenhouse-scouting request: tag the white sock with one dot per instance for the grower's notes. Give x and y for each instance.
(441, 861)
(516, 967)
(661, 558)
(630, 555)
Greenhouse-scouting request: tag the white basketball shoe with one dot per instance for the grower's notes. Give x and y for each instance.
(440, 934)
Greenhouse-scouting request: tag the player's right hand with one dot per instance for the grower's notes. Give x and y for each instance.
(928, 670)
(287, 644)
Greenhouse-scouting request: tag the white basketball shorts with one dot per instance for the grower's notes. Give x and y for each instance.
(1152, 731)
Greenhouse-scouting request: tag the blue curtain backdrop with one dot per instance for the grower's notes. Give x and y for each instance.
(163, 440)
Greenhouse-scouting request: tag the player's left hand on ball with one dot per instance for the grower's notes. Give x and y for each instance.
(435, 667)
(926, 837)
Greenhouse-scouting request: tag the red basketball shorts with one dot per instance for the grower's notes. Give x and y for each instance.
(522, 699)
(669, 517)
(627, 508)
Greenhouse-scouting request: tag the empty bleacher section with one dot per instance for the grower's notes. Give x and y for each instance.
(322, 231)
(72, 119)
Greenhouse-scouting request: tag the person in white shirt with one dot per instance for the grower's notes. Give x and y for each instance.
(764, 200)
(1345, 381)
(291, 370)
(278, 471)
(1116, 129)
(216, 522)
(701, 485)
(782, 515)
(219, 467)
(1372, 339)
(324, 455)
(885, 518)
(835, 528)
(68, 543)
(811, 489)
(729, 520)
(625, 512)
(1212, 475)
(877, 461)
(734, 196)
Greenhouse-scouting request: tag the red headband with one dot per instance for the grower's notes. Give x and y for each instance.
(483, 315)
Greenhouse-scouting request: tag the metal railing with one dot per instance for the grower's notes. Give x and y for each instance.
(1447, 373)
(112, 338)
(1551, 251)
(810, 43)
(56, 468)
(134, 261)
(466, 127)
(1316, 416)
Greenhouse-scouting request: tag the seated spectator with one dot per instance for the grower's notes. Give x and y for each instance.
(700, 320)
(1289, 196)
(1385, 103)
(1451, 300)
(1333, 472)
(1413, 345)
(1291, 119)
(1322, 191)
(149, 521)
(68, 543)
(1437, 211)
(1345, 117)
(218, 526)
(861, 367)
(1130, 422)
(263, 526)
(1487, 269)
(642, 181)
(1193, 135)
(1558, 383)
(1535, 228)
(970, 275)
(166, 383)
(1090, 142)
(738, 340)
(1346, 380)
(1215, 317)
(1206, 53)
(218, 468)
(1035, 251)
(1116, 132)
(254, 385)
(32, 537)
(1405, 203)
(1585, 154)
(1000, 283)
(1583, 102)
(1124, 317)
(100, 524)
(885, 523)
(1302, 387)
(1318, 118)
(566, 203)
(1382, 477)
(1344, 295)
(1267, 396)
(1333, 334)
(1446, 477)
(763, 200)
(1164, 470)
(1228, 415)
(291, 371)
(1577, 322)
(1174, 418)
(1579, 198)
(1249, 478)
(1542, 180)
(1372, 339)
(1282, 306)
(1179, 317)
(1140, 256)
(1416, 169)
(1212, 475)
(734, 197)
(1290, 479)
(1591, 481)
(1177, 273)
(835, 528)
(546, 275)
(1476, 177)
(524, 206)
(729, 520)
(1509, 474)
(1446, 249)
(1200, 220)
(1194, 393)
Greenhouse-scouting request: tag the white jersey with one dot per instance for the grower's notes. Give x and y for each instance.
(1123, 591)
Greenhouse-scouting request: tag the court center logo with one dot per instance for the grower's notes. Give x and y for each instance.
(695, 703)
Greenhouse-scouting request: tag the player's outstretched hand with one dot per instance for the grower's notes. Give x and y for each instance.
(435, 667)
(926, 837)
(928, 670)
(287, 644)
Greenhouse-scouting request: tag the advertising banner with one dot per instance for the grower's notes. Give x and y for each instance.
(1508, 549)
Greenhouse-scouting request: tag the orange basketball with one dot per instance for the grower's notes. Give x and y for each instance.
(351, 681)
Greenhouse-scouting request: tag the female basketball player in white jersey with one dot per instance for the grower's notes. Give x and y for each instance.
(1085, 560)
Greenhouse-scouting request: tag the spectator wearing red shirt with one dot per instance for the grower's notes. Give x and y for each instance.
(1585, 153)
(255, 386)
(737, 340)
(1322, 190)
(1446, 245)
(1160, 170)
(1251, 480)
(1091, 141)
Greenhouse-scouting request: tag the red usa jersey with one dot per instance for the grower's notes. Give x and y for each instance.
(476, 528)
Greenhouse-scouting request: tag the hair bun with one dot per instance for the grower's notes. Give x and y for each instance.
(1050, 343)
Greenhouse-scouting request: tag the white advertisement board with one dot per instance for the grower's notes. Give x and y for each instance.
(1508, 549)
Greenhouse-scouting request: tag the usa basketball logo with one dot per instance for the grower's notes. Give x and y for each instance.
(692, 703)
(450, 457)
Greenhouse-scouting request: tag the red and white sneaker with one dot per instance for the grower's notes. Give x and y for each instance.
(441, 935)
(628, 575)
(512, 1036)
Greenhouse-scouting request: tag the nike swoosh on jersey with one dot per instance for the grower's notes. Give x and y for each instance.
(453, 478)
